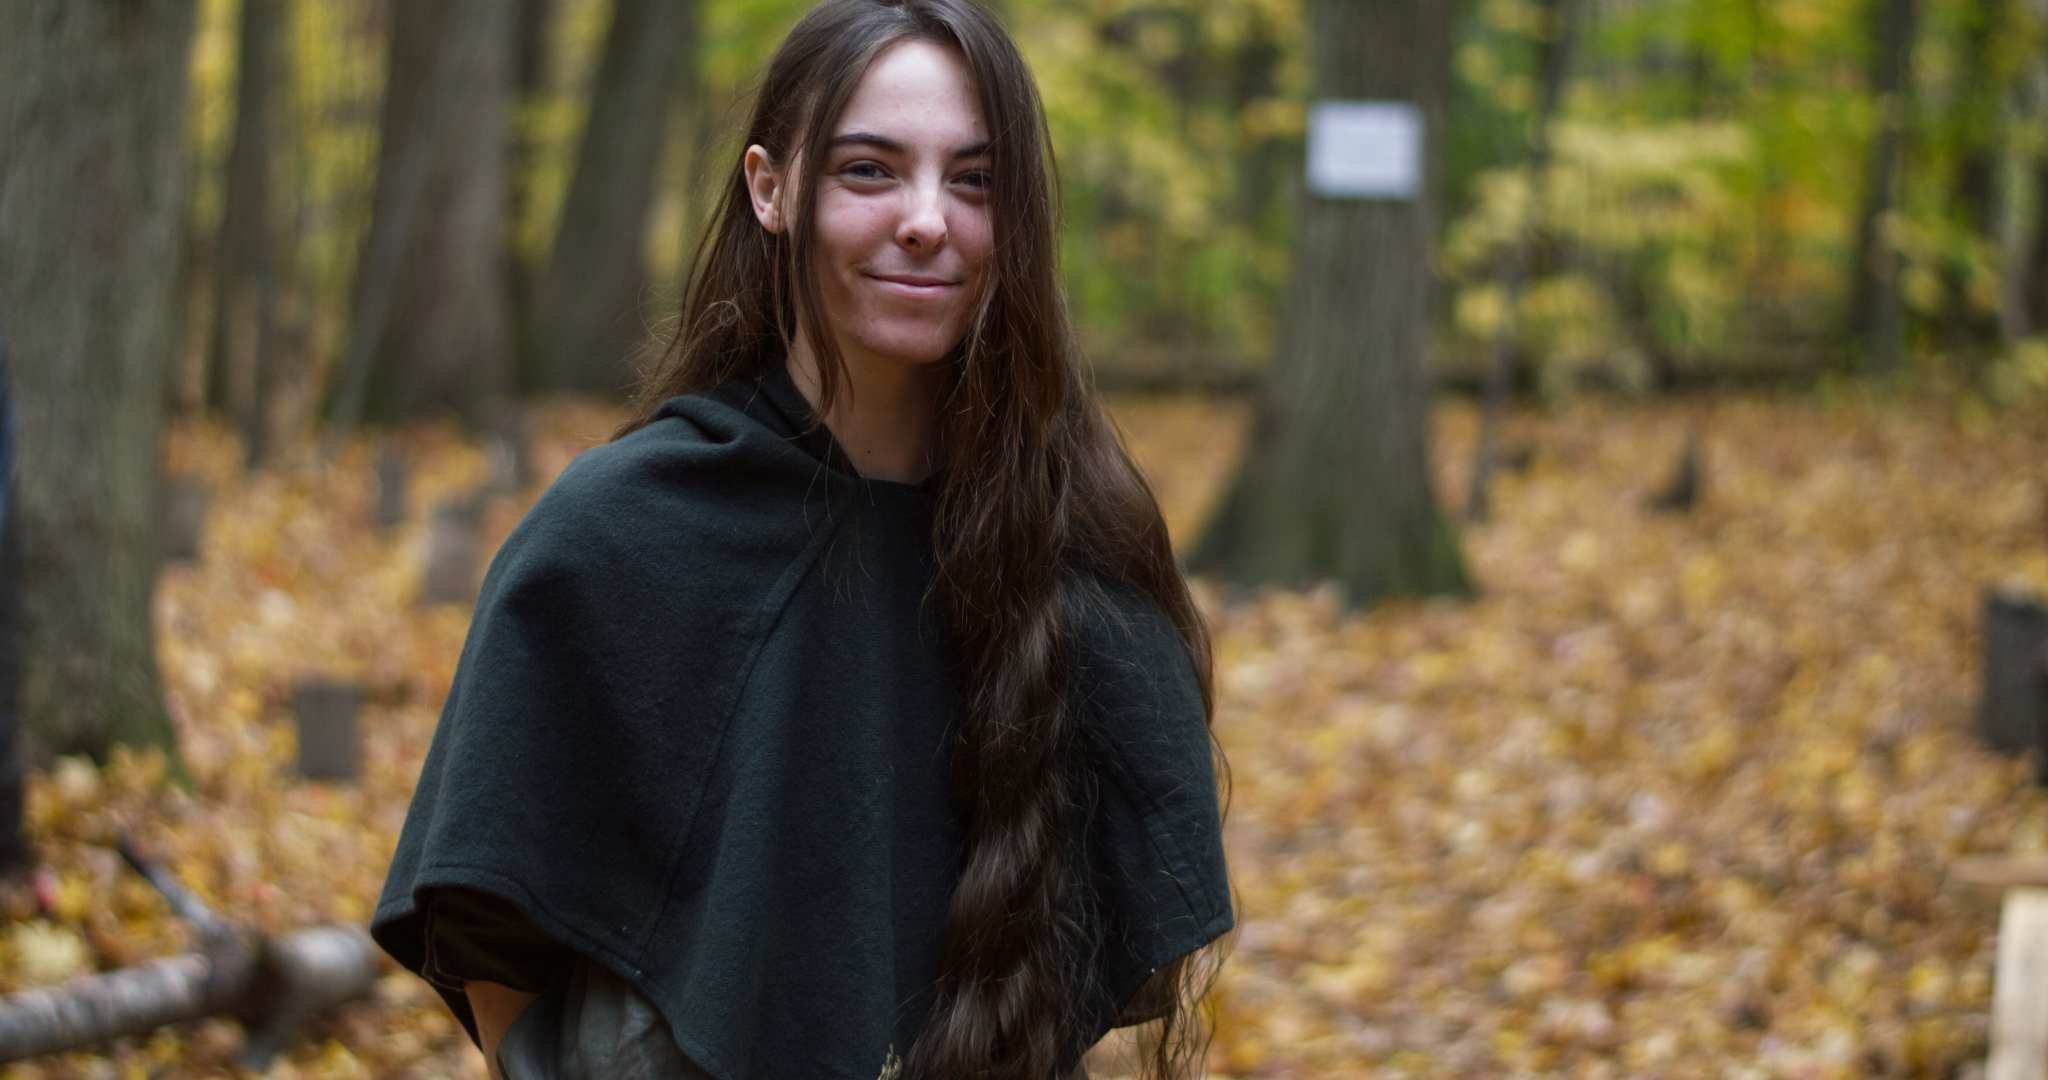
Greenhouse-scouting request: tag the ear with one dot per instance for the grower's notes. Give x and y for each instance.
(764, 184)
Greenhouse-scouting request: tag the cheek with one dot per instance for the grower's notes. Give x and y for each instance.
(975, 235)
(850, 229)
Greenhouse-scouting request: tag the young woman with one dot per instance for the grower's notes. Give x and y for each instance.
(846, 716)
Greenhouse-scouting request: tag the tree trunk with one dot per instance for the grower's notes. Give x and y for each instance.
(1972, 132)
(245, 289)
(92, 118)
(536, 18)
(2022, 227)
(532, 77)
(432, 324)
(590, 299)
(2032, 287)
(1879, 308)
(1336, 480)
(1500, 368)
(14, 849)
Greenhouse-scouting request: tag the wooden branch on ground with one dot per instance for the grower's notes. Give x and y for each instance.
(272, 985)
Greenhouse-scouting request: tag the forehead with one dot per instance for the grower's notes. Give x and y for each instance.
(916, 92)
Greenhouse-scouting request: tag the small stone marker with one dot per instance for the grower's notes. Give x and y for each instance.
(505, 449)
(184, 518)
(1682, 492)
(451, 575)
(330, 737)
(390, 488)
(2015, 705)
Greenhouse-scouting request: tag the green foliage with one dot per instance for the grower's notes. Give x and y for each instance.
(1178, 127)
(1712, 161)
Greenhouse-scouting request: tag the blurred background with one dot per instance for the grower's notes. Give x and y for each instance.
(1626, 550)
(1723, 170)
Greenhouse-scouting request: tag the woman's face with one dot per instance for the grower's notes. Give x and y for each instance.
(902, 228)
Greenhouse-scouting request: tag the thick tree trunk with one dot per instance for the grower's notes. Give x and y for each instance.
(432, 325)
(1336, 481)
(1879, 307)
(92, 115)
(590, 299)
(245, 289)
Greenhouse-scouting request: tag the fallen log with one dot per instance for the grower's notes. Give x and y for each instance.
(270, 984)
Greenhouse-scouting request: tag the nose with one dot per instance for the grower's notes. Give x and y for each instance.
(922, 228)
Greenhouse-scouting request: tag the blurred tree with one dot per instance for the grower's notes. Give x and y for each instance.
(1708, 177)
(92, 119)
(1879, 307)
(532, 67)
(2022, 229)
(432, 324)
(1178, 129)
(1500, 366)
(590, 298)
(1336, 479)
(14, 852)
(243, 351)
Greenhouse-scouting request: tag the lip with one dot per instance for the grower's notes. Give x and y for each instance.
(914, 286)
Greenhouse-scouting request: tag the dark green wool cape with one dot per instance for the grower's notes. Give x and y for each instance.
(702, 733)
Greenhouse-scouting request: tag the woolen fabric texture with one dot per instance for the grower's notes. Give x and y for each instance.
(702, 733)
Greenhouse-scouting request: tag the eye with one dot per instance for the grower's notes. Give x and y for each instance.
(864, 170)
(977, 180)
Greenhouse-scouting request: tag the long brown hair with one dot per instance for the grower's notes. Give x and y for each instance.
(1034, 500)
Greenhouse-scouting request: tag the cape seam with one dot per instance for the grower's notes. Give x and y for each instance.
(766, 617)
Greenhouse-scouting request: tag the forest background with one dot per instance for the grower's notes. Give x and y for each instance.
(1712, 195)
(1662, 794)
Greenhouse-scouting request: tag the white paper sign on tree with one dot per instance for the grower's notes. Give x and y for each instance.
(1365, 150)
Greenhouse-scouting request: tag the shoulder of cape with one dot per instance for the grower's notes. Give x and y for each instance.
(1116, 625)
(1132, 670)
(1141, 702)
(701, 478)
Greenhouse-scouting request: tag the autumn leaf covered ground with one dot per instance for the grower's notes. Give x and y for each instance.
(1675, 796)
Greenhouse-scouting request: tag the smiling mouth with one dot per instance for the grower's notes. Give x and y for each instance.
(914, 282)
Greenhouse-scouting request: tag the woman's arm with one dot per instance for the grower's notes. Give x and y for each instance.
(495, 1007)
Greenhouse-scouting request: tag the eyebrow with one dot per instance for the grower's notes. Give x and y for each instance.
(891, 146)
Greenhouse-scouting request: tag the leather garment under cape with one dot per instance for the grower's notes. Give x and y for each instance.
(701, 732)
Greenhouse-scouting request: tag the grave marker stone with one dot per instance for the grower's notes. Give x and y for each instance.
(390, 488)
(184, 518)
(330, 734)
(452, 575)
(2014, 710)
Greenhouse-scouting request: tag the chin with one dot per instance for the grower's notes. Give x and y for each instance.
(923, 347)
